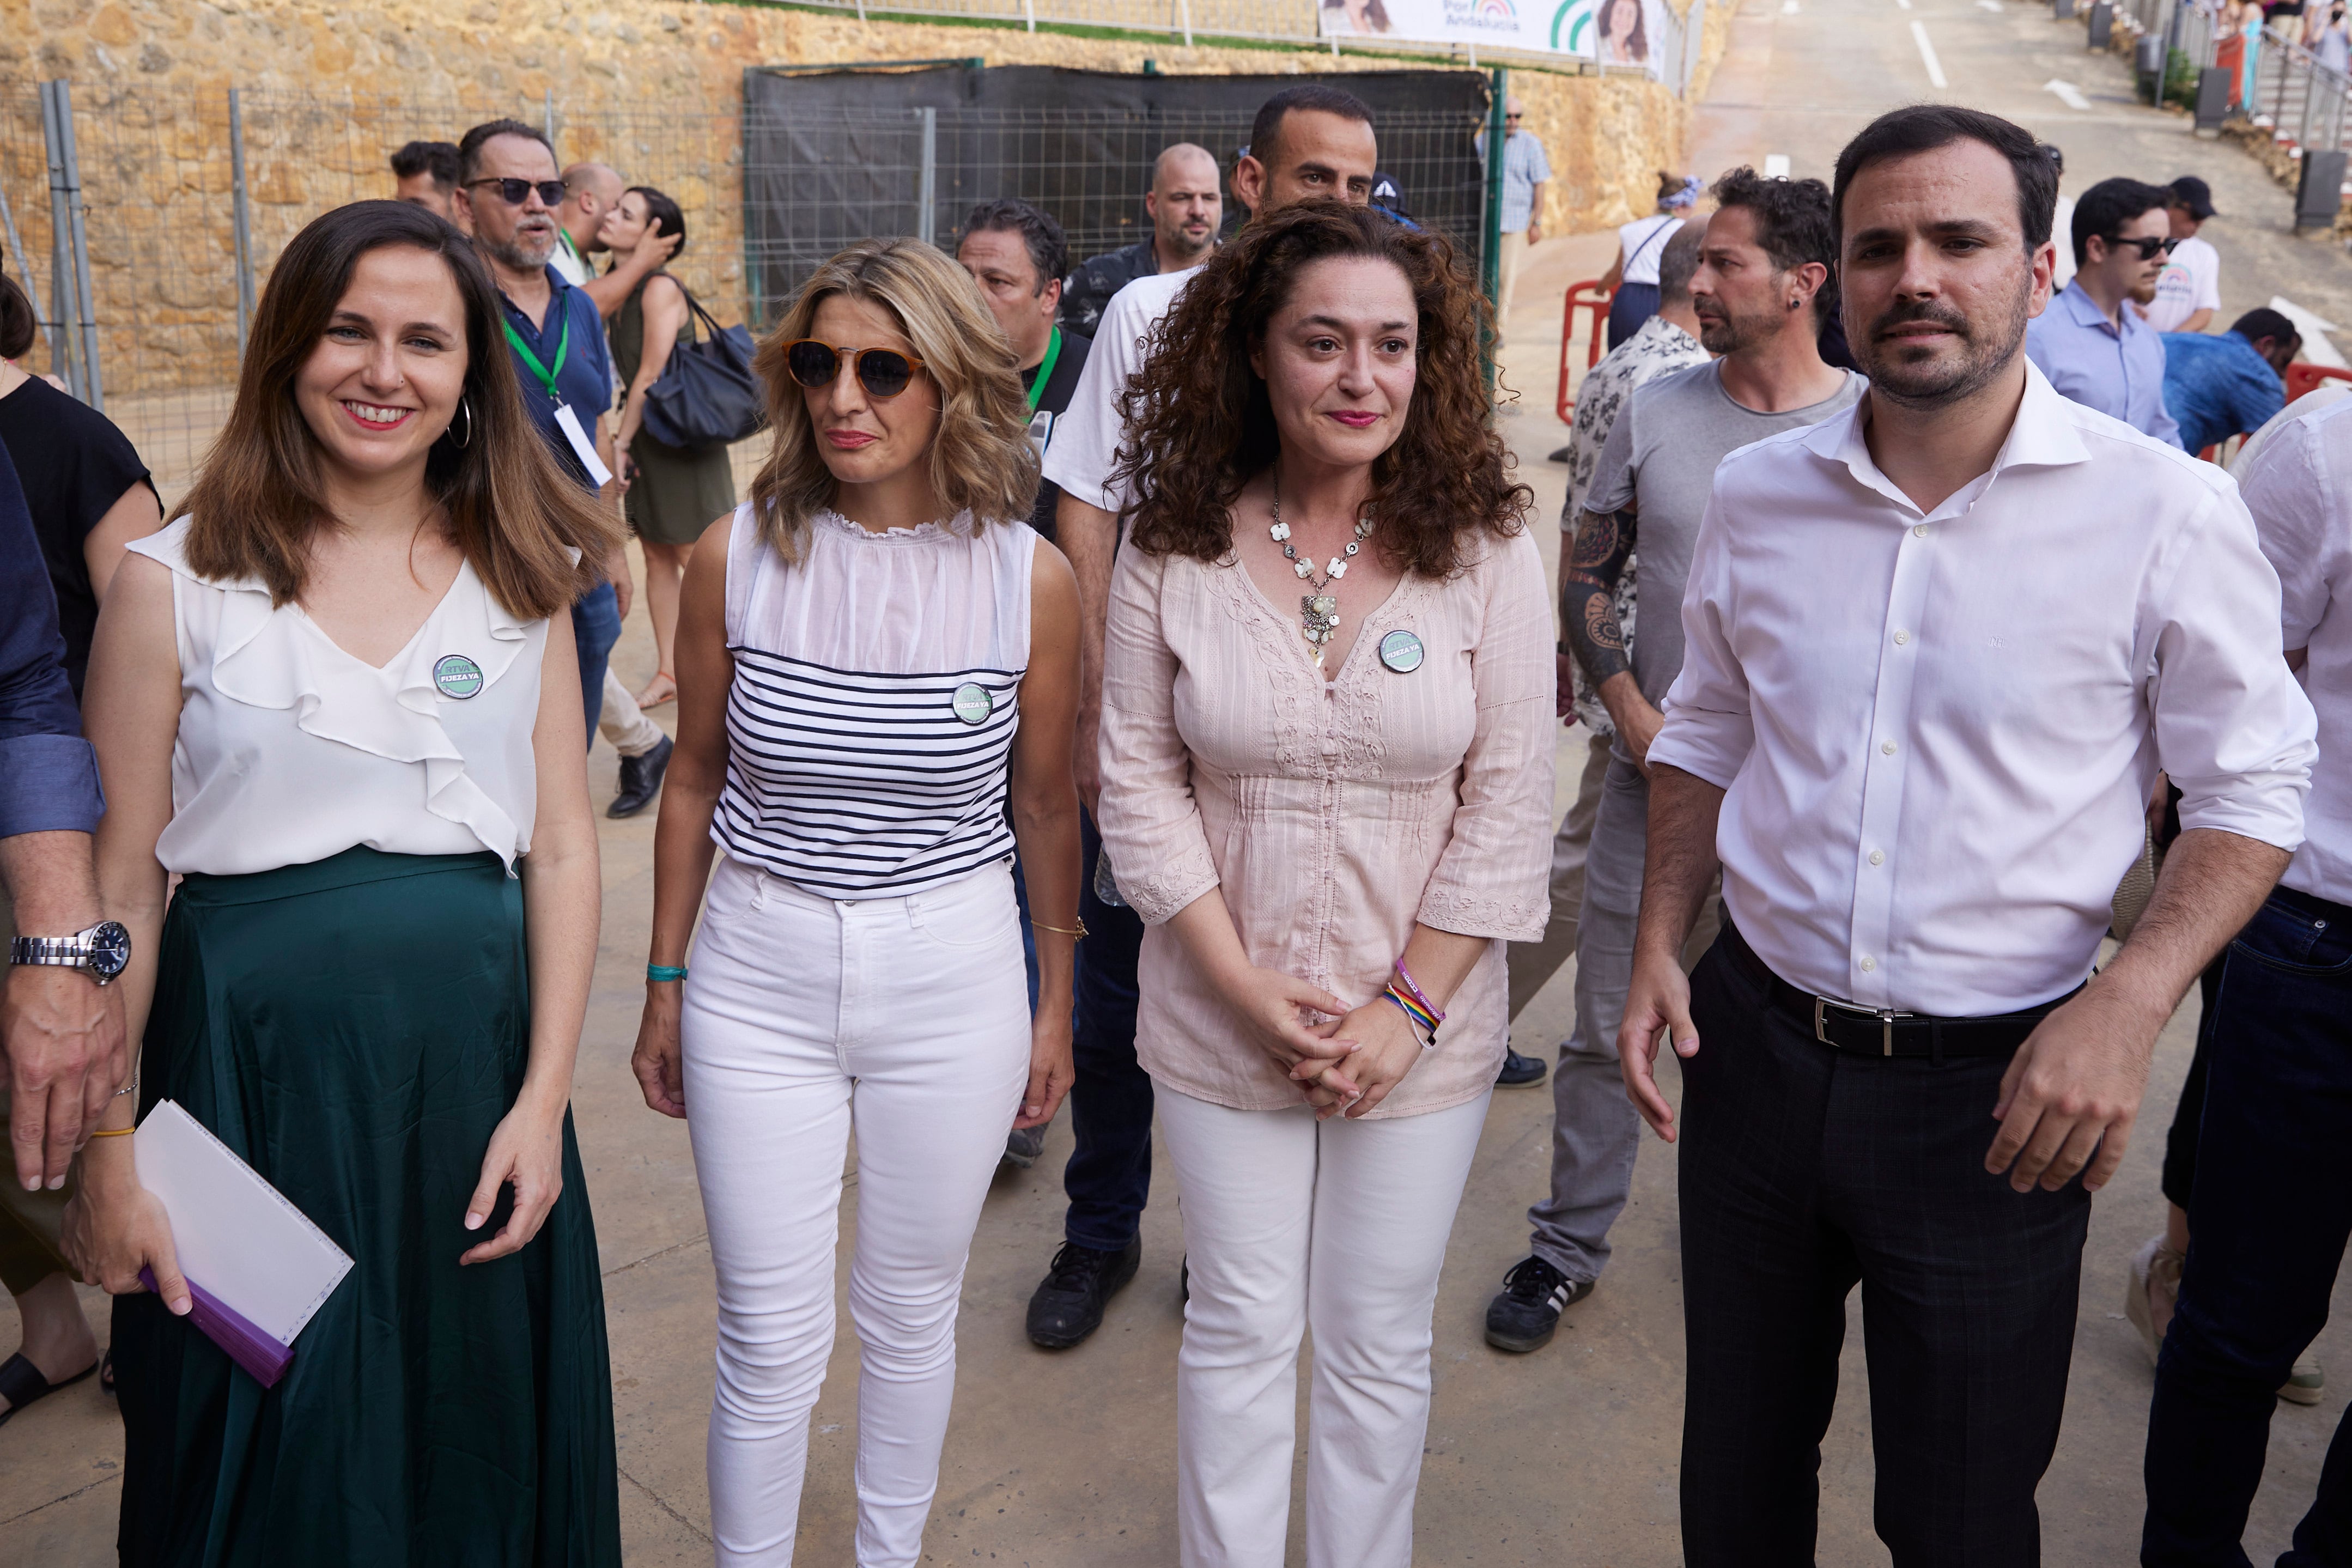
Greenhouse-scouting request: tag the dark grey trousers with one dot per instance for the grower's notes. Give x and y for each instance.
(1804, 1171)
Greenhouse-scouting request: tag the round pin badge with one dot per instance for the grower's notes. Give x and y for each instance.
(456, 676)
(971, 702)
(1401, 652)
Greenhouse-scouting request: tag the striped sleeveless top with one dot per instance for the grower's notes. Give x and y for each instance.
(869, 727)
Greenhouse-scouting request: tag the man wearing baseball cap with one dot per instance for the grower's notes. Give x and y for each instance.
(2189, 291)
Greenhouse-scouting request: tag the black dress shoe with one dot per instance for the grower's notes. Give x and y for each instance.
(1519, 1071)
(641, 779)
(1069, 1305)
(1534, 1295)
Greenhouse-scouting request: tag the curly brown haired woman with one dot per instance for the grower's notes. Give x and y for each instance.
(1327, 751)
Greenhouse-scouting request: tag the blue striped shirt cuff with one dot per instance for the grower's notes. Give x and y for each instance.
(48, 783)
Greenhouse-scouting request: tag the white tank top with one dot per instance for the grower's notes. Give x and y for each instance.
(292, 750)
(870, 722)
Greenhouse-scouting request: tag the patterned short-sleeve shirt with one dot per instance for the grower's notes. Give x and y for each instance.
(1657, 349)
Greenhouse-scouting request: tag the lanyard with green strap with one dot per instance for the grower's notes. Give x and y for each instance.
(562, 346)
(1044, 368)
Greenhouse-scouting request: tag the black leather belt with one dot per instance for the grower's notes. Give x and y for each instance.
(1886, 1032)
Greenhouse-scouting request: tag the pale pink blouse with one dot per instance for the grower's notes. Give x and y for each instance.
(1333, 817)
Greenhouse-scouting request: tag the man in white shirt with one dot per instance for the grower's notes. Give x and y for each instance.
(2188, 290)
(1308, 140)
(2270, 1209)
(1937, 649)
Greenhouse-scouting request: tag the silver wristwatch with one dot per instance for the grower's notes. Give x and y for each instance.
(104, 950)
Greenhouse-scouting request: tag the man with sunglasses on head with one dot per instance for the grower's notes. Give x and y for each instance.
(1308, 140)
(2090, 342)
(507, 197)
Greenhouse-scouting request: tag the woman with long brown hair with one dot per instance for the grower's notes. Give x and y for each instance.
(876, 656)
(1327, 759)
(336, 696)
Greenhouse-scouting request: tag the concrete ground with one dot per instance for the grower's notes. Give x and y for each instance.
(1567, 1457)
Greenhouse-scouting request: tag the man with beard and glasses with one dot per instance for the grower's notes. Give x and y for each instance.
(1759, 293)
(2090, 342)
(507, 197)
(1938, 649)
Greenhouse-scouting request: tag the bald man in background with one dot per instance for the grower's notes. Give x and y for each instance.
(591, 191)
(1186, 210)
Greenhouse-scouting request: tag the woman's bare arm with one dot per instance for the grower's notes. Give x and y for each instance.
(665, 315)
(1046, 820)
(682, 846)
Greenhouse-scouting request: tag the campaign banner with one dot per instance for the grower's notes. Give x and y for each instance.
(1623, 33)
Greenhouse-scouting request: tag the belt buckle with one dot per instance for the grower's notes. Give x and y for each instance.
(1885, 1015)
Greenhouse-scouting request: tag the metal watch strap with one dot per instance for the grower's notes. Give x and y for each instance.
(63, 951)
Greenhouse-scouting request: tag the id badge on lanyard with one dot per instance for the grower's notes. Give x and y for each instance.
(584, 446)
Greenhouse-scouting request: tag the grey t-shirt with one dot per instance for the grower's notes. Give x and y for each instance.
(1661, 458)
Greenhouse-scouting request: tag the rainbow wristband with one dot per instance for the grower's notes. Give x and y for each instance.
(1426, 1004)
(661, 974)
(1413, 1010)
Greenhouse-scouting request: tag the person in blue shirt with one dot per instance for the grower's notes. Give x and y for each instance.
(2090, 342)
(61, 1059)
(507, 192)
(2227, 384)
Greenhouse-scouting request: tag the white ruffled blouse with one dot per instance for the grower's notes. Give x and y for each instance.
(290, 750)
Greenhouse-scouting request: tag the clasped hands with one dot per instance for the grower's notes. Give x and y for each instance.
(1345, 1060)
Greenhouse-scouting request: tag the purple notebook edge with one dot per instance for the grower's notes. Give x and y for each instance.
(258, 1352)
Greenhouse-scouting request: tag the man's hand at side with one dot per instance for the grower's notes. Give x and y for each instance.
(2073, 1091)
(1678, 868)
(61, 1031)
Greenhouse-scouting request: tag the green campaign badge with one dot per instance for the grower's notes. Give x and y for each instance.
(972, 704)
(456, 676)
(1401, 652)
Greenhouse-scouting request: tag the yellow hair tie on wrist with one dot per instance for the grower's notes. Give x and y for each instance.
(114, 1133)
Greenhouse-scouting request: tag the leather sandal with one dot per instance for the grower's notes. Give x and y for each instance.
(21, 1384)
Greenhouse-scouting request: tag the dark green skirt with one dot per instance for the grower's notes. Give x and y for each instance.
(355, 1030)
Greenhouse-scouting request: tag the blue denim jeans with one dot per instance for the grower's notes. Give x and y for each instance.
(2268, 1219)
(1108, 1178)
(595, 627)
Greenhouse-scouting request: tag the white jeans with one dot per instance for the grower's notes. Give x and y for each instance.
(1290, 1224)
(907, 1020)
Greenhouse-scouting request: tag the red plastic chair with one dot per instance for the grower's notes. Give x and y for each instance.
(2302, 378)
(1589, 296)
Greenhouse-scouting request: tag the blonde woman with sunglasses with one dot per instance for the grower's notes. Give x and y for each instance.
(874, 655)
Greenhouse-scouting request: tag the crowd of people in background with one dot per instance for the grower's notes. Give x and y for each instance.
(1122, 679)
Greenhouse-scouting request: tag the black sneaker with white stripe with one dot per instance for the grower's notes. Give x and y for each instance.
(1534, 1295)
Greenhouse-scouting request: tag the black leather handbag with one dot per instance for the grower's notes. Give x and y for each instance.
(707, 394)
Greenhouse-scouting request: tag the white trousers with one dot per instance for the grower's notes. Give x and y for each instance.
(1292, 1224)
(906, 1020)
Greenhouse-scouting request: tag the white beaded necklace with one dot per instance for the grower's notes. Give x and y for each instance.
(1318, 612)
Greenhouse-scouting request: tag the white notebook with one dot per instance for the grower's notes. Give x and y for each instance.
(237, 1236)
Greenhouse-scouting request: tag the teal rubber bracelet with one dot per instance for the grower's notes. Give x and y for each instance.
(660, 972)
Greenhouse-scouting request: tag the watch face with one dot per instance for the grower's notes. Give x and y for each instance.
(110, 949)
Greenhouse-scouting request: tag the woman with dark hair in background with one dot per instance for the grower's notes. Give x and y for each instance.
(1326, 763)
(674, 493)
(338, 697)
(1624, 40)
(90, 495)
(1633, 278)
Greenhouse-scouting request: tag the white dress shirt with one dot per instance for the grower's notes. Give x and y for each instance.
(1086, 437)
(2295, 487)
(1938, 731)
